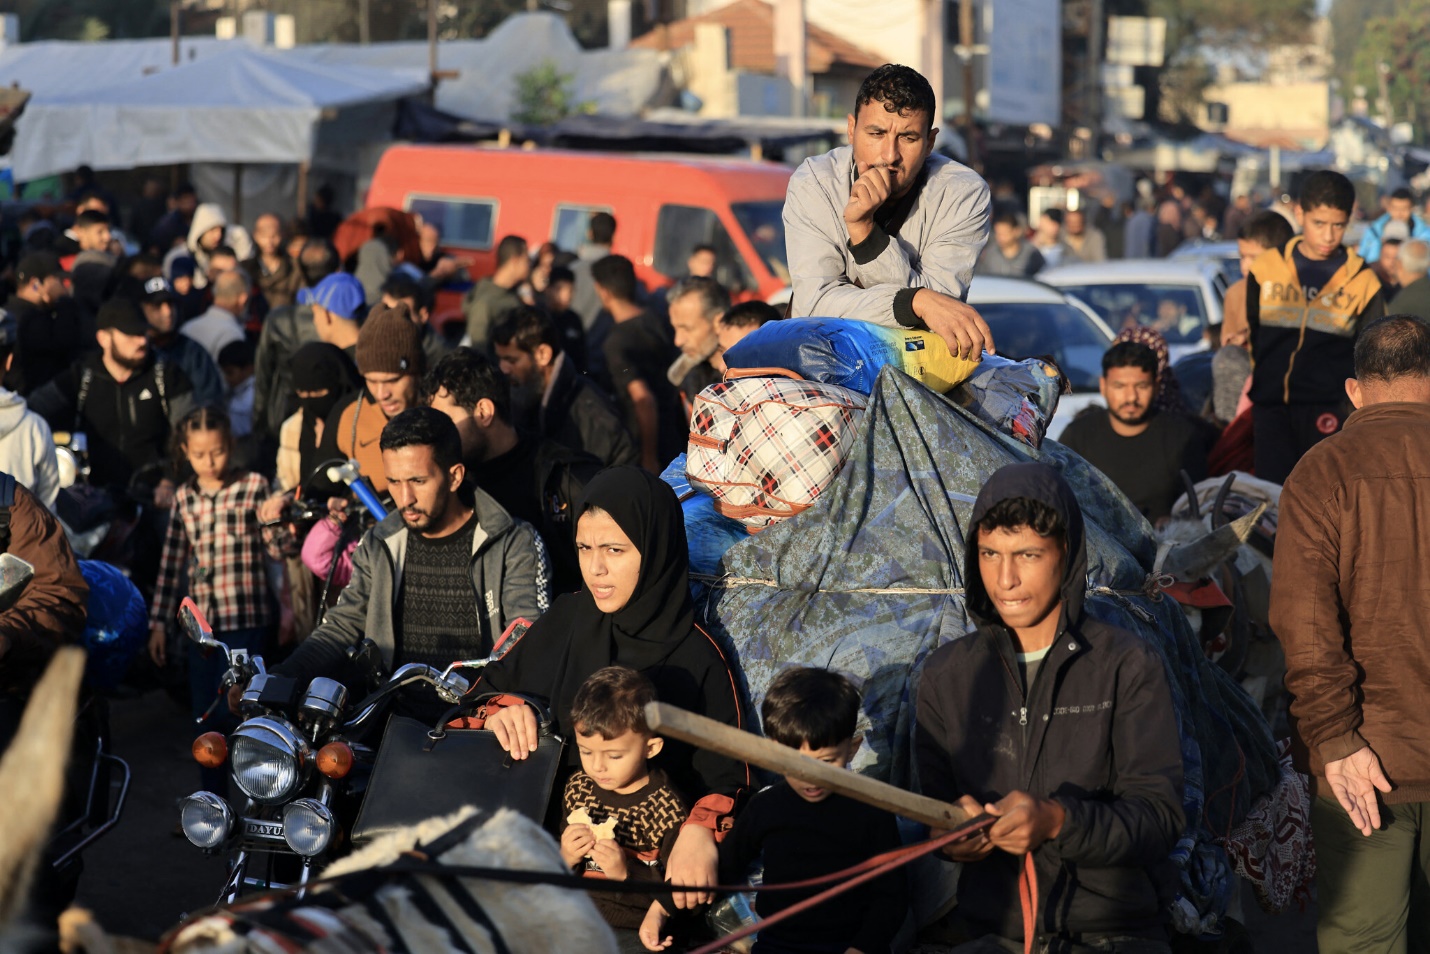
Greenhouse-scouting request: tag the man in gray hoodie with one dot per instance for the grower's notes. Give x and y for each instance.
(881, 230)
(443, 576)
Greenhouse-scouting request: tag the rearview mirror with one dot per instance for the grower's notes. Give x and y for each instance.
(195, 626)
(15, 575)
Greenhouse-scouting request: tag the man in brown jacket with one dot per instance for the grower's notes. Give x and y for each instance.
(1351, 606)
(49, 614)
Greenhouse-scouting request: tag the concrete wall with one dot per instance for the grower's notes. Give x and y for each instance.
(1260, 111)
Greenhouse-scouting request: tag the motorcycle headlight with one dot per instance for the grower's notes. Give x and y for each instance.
(307, 826)
(206, 819)
(270, 760)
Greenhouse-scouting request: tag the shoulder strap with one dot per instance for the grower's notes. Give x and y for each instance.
(159, 386)
(84, 382)
(7, 500)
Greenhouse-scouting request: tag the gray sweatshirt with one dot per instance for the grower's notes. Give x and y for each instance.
(935, 248)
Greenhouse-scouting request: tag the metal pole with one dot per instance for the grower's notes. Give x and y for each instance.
(1093, 99)
(965, 33)
(432, 48)
(302, 190)
(238, 193)
(174, 28)
(364, 24)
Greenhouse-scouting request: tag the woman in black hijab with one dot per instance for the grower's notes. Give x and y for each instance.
(322, 376)
(635, 610)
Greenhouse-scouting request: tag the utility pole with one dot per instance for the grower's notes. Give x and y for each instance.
(432, 48)
(174, 14)
(965, 53)
(364, 22)
(1092, 109)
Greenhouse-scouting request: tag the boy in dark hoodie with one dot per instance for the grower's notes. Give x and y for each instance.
(1060, 725)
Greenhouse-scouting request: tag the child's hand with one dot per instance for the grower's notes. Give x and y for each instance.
(611, 859)
(652, 926)
(158, 637)
(576, 843)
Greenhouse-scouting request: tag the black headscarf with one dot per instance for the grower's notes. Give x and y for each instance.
(319, 367)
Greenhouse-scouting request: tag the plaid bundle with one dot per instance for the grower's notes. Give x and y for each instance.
(766, 447)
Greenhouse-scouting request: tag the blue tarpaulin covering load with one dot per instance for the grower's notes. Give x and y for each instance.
(868, 581)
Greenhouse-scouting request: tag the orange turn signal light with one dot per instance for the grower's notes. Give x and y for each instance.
(335, 760)
(210, 749)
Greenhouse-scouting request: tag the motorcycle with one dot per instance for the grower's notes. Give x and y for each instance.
(299, 760)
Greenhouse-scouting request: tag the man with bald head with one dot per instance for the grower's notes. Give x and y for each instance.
(221, 325)
(1412, 268)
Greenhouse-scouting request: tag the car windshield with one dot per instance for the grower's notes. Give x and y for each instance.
(1174, 310)
(764, 223)
(1046, 330)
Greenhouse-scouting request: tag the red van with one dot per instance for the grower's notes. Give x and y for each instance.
(664, 206)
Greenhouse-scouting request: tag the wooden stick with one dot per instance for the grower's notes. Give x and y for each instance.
(676, 723)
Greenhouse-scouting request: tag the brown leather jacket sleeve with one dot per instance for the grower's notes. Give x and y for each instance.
(1307, 615)
(51, 612)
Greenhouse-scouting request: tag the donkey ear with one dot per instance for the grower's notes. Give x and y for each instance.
(32, 778)
(1195, 560)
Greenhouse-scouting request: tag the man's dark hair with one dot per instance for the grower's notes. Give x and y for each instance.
(92, 195)
(317, 260)
(617, 275)
(510, 247)
(1396, 346)
(714, 299)
(899, 89)
(702, 247)
(185, 188)
(469, 377)
(807, 705)
(601, 227)
(611, 702)
(1395, 242)
(1403, 193)
(1130, 354)
(1267, 229)
(402, 287)
(750, 314)
(1008, 216)
(90, 217)
(527, 328)
(237, 354)
(424, 427)
(1018, 512)
(1327, 188)
(1055, 214)
(559, 274)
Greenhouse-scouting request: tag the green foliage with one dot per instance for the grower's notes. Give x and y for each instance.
(544, 96)
(1401, 42)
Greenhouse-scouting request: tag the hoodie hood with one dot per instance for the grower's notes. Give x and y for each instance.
(12, 411)
(1044, 484)
(206, 216)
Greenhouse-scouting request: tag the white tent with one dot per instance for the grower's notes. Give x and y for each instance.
(234, 105)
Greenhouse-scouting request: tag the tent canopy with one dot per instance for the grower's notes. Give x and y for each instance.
(236, 105)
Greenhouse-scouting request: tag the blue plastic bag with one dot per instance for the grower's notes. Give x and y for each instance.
(117, 627)
(708, 534)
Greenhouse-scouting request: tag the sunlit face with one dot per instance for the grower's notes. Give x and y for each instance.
(701, 263)
(393, 393)
(207, 453)
(610, 562)
(617, 765)
(268, 235)
(1128, 392)
(836, 755)
(516, 364)
(466, 420)
(1400, 210)
(694, 330)
(1249, 251)
(94, 238)
(896, 142)
(1006, 234)
(1322, 230)
(127, 351)
(422, 491)
(1022, 573)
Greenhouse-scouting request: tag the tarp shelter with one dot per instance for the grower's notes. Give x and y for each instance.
(240, 105)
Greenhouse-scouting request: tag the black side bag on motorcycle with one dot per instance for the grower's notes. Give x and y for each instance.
(425, 770)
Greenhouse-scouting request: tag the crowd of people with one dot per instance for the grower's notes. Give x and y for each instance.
(220, 374)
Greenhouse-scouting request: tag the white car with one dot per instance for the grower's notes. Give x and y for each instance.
(1032, 320)
(1225, 254)
(1180, 298)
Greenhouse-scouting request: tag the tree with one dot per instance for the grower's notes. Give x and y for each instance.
(1400, 44)
(544, 96)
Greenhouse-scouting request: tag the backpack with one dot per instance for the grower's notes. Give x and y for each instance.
(766, 447)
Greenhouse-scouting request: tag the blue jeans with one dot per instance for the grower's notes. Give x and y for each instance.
(206, 669)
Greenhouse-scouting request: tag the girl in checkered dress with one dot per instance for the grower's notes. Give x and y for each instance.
(214, 552)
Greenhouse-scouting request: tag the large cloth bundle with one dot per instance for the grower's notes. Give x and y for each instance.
(850, 353)
(868, 581)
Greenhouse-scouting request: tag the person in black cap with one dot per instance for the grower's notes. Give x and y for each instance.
(50, 325)
(157, 300)
(122, 398)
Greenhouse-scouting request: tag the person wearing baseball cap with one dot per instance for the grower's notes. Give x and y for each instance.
(338, 305)
(48, 319)
(121, 398)
(157, 300)
(391, 361)
(27, 447)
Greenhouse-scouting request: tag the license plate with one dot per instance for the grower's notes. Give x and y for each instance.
(262, 829)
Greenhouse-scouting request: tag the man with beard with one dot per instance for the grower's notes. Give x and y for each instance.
(1140, 450)
(696, 304)
(156, 298)
(51, 324)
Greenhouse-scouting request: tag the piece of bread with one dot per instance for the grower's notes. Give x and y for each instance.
(605, 831)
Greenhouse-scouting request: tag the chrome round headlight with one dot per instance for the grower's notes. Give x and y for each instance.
(270, 759)
(308, 826)
(206, 819)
